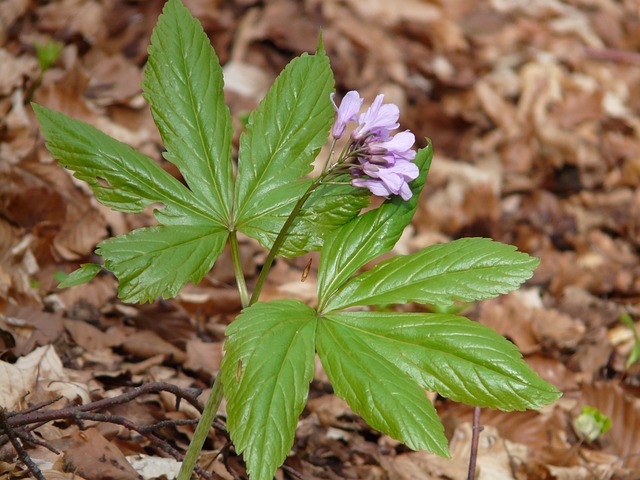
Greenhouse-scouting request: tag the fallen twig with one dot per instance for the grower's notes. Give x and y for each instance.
(18, 425)
(17, 446)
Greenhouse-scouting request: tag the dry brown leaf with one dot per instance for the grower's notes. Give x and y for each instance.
(10, 11)
(147, 344)
(92, 456)
(40, 374)
(167, 319)
(89, 337)
(13, 70)
(203, 358)
(623, 439)
(75, 16)
(56, 475)
(33, 327)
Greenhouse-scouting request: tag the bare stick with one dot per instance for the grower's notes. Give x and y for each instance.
(292, 472)
(17, 446)
(18, 425)
(475, 438)
(191, 395)
(34, 407)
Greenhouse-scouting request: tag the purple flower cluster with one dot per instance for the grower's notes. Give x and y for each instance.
(383, 163)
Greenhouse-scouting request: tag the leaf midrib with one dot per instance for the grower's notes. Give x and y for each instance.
(266, 419)
(358, 281)
(444, 353)
(355, 359)
(197, 118)
(252, 186)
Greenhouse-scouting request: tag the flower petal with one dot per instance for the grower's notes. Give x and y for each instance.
(347, 112)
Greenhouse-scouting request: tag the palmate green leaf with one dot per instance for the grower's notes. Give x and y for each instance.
(464, 270)
(368, 236)
(183, 84)
(266, 371)
(157, 261)
(451, 355)
(328, 208)
(374, 387)
(284, 135)
(120, 177)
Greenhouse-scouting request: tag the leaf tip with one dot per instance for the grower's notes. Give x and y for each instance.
(84, 274)
(320, 45)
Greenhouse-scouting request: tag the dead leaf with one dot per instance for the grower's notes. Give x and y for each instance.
(203, 357)
(92, 456)
(146, 344)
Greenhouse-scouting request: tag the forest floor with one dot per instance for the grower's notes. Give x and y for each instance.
(534, 112)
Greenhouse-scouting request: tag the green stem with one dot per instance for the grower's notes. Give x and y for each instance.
(237, 268)
(282, 235)
(202, 430)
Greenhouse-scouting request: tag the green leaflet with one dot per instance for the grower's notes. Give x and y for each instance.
(266, 372)
(84, 274)
(328, 207)
(451, 355)
(183, 84)
(465, 270)
(157, 261)
(351, 246)
(374, 387)
(133, 181)
(283, 137)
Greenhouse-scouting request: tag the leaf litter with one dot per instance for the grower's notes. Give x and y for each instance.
(534, 110)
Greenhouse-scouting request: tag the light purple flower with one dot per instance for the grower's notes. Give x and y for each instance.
(398, 146)
(380, 161)
(347, 112)
(388, 180)
(379, 119)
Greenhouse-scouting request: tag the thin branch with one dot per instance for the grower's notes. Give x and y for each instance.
(475, 438)
(292, 472)
(34, 407)
(17, 426)
(17, 446)
(30, 440)
(189, 394)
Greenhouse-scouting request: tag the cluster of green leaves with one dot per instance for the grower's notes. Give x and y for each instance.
(184, 86)
(379, 362)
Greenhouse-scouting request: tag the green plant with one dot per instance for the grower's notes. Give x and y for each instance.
(634, 356)
(379, 362)
(48, 53)
(591, 424)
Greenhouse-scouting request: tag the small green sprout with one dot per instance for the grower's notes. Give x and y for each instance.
(48, 53)
(591, 424)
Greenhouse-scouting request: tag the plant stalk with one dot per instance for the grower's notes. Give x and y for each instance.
(202, 430)
(237, 268)
(475, 440)
(282, 235)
